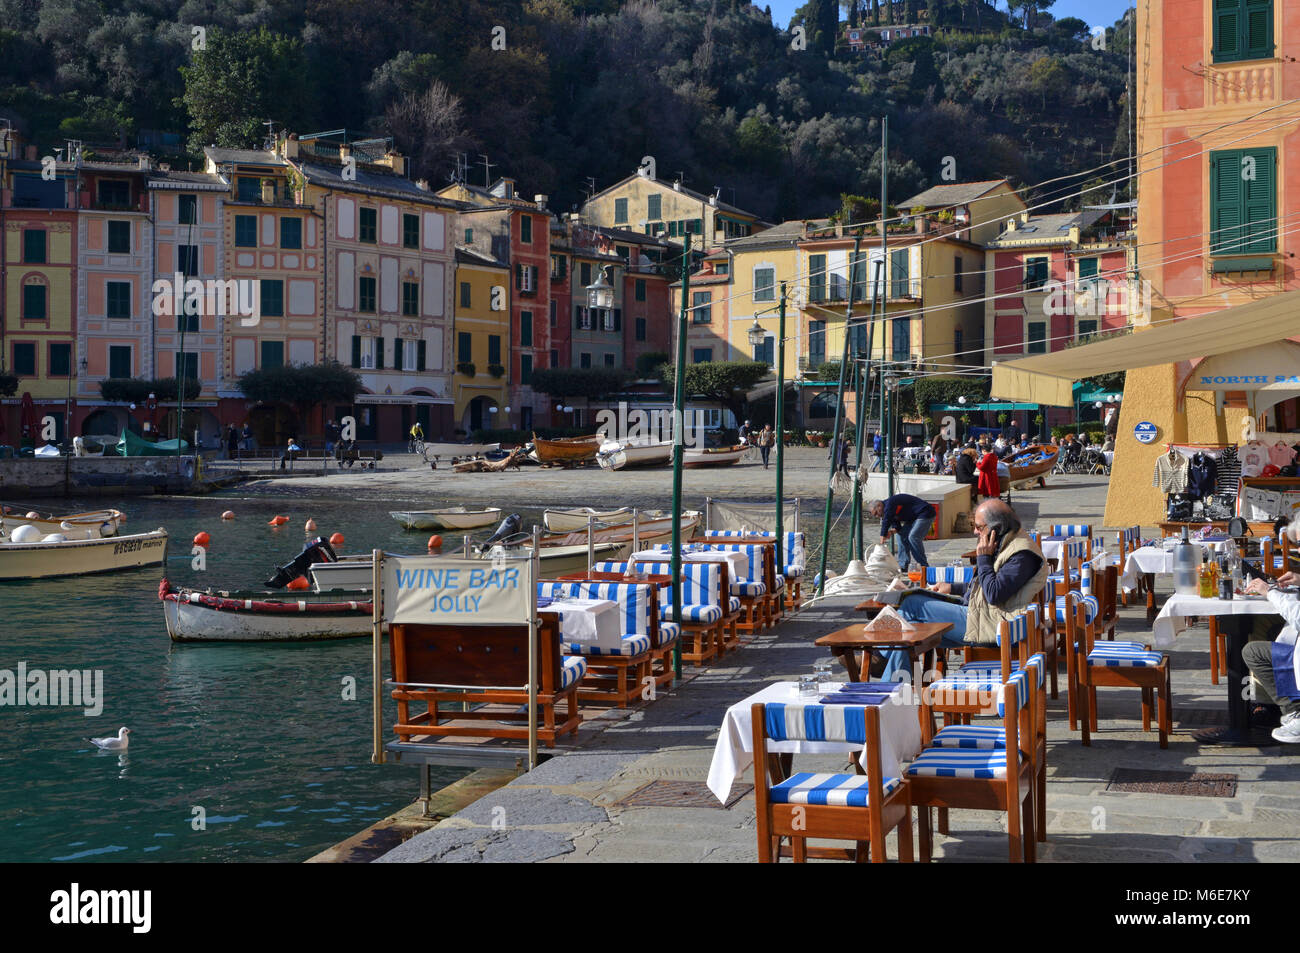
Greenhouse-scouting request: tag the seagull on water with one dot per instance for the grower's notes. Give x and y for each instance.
(113, 744)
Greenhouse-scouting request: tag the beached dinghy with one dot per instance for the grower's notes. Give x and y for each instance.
(29, 554)
(89, 525)
(566, 450)
(713, 457)
(1033, 461)
(449, 517)
(632, 453)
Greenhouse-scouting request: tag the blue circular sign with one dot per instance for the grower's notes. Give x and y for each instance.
(1145, 432)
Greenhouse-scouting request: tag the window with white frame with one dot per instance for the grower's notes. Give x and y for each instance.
(368, 353)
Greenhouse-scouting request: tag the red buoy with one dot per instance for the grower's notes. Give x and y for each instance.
(202, 539)
(299, 583)
(435, 542)
(336, 540)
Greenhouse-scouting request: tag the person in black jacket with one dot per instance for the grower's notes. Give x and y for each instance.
(911, 517)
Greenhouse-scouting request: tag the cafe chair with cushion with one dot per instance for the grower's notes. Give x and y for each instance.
(1128, 540)
(1075, 531)
(985, 778)
(1091, 664)
(844, 807)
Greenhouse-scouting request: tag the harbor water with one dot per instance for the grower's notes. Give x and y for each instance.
(237, 752)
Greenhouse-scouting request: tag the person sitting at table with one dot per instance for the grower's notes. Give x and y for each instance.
(909, 516)
(1274, 664)
(1009, 572)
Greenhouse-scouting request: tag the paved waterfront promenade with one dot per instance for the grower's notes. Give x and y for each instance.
(569, 808)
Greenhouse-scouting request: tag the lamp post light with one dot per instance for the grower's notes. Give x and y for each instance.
(153, 414)
(600, 293)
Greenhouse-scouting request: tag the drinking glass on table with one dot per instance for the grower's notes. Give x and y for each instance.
(808, 686)
(916, 577)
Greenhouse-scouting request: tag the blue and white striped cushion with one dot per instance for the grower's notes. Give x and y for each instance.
(697, 613)
(1017, 629)
(1090, 604)
(992, 668)
(609, 567)
(959, 763)
(786, 722)
(748, 588)
(983, 737)
(572, 668)
(733, 605)
(633, 600)
(839, 790)
(632, 645)
(668, 633)
(753, 553)
(701, 582)
(950, 574)
(1108, 655)
(1071, 529)
(780, 582)
(796, 553)
(734, 533)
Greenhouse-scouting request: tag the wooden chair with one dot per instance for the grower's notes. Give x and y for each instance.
(481, 665)
(616, 675)
(846, 807)
(1114, 663)
(752, 588)
(1128, 540)
(1075, 531)
(1001, 779)
(664, 635)
(706, 616)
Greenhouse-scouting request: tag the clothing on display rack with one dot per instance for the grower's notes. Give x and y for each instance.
(1280, 455)
(1254, 458)
(1171, 472)
(1229, 477)
(1202, 475)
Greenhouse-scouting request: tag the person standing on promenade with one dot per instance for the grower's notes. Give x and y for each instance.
(766, 438)
(909, 516)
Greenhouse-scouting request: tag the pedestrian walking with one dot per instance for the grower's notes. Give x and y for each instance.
(766, 438)
(232, 442)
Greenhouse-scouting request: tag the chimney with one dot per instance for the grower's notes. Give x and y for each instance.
(145, 163)
(291, 146)
(677, 186)
(396, 161)
(922, 224)
(422, 184)
(1024, 218)
(541, 201)
(345, 152)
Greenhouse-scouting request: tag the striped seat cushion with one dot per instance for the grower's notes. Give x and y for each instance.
(1071, 529)
(749, 588)
(839, 790)
(959, 763)
(1116, 655)
(1091, 607)
(697, 613)
(733, 605)
(632, 645)
(780, 582)
(949, 574)
(792, 572)
(572, 668)
(983, 737)
(992, 668)
(669, 632)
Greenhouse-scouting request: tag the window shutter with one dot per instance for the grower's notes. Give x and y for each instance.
(1225, 202)
(577, 316)
(1257, 32)
(1227, 27)
(618, 319)
(1259, 203)
(519, 277)
(379, 354)
(535, 275)
(356, 350)
(420, 354)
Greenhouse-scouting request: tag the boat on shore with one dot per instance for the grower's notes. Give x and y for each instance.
(1033, 461)
(714, 456)
(448, 517)
(54, 555)
(568, 521)
(614, 455)
(566, 450)
(194, 615)
(432, 450)
(92, 524)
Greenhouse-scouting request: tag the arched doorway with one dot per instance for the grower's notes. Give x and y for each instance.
(104, 422)
(477, 414)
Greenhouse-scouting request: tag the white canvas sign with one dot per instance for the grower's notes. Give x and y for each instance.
(436, 591)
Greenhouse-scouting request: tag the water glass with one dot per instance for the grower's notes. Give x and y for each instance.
(808, 686)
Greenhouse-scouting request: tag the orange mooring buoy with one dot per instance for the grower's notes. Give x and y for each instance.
(202, 539)
(228, 515)
(435, 542)
(299, 583)
(336, 540)
(277, 521)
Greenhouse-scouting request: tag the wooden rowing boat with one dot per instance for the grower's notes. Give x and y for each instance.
(567, 449)
(48, 558)
(261, 616)
(714, 457)
(1031, 462)
(90, 525)
(621, 456)
(568, 521)
(449, 517)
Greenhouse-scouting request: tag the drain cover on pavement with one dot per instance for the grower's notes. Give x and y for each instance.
(1173, 782)
(681, 794)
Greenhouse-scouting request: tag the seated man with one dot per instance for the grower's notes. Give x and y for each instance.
(1009, 572)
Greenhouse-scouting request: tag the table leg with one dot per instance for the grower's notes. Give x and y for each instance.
(1151, 597)
(849, 659)
(1239, 733)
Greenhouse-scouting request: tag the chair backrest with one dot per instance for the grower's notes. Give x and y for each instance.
(796, 551)
(1071, 530)
(833, 723)
(737, 533)
(753, 553)
(950, 574)
(1016, 692)
(635, 602)
(701, 582)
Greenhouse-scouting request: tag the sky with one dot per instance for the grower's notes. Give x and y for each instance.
(1092, 12)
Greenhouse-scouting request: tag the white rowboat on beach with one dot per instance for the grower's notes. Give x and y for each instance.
(449, 517)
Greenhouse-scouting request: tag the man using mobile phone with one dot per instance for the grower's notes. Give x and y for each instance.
(1009, 573)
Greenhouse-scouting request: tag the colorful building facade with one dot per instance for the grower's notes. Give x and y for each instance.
(482, 336)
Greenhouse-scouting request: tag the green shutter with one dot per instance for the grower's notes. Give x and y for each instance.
(1257, 29)
(398, 356)
(1259, 203)
(420, 354)
(1225, 201)
(1087, 267)
(356, 350)
(1227, 28)
(817, 277)
(379, 353)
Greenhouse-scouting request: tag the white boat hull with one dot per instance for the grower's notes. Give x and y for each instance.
(450, 450)
(614, 456)
(712, 458)
(192, 622)
(92, 525)
(82, 557)
(430, 519)
(570, 521)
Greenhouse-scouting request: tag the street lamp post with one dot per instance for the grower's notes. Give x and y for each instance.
(756, 337)
(679, 446)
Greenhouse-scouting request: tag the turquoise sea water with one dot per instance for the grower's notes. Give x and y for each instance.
(257, 736)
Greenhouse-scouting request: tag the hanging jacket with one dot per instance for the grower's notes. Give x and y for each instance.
(1202, 474)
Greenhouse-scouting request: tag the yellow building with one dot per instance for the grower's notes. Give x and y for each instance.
(481, 340)
(758, 265)
(670, 211)
(977, 210)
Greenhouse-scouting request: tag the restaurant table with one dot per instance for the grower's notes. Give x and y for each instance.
(590, 622)
(737, 563)
(900, 736)
(919, 642)
(1228, 615)
(1150, 561)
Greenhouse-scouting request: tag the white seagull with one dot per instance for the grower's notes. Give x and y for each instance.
(113, 744)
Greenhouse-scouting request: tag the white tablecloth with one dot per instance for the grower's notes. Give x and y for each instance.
(591, 622)
(1170, 620)
(900, 737)
(1158, 560)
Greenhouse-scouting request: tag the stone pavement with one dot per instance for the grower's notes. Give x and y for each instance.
(568, 808)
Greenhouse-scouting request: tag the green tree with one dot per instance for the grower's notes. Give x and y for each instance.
(303, 387)
(593, 383)
(727, 382)
(241, 80)
(8, 384)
